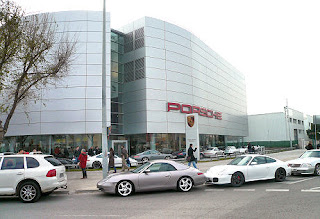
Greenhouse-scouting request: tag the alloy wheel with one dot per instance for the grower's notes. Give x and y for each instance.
(185, 184)
(28, 193)
(237, 179)
(280, 175)
(317, 170)
(125, 188)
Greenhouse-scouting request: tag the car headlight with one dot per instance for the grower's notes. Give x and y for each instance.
(306, 165)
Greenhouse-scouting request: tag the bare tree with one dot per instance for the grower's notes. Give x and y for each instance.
(36, 56)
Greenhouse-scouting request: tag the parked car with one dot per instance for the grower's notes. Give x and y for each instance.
(151, 155)
(153, 176)
(246, 168)
(68, 163)
(95, 161)
(243, 150)
(307, 163)
(179, 154)
(231, 150)
(213, 152)
(30, 176)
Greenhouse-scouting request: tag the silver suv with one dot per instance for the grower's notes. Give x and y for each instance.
(30, 176)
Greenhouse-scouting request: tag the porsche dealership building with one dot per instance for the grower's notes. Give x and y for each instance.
(157, 73)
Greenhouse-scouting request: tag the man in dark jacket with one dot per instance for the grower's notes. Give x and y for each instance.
(90, 152)
(77, 153)
(191, 157)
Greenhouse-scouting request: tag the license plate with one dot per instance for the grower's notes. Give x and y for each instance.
(294, 169)
(61, 175)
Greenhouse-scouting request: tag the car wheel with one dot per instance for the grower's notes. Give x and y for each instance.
(280, 175)
(185, 184)
(237, 179)
(317, 170)
(29, 192)
(144, 159)
(167, 158)
(96, 165)
(124, 188)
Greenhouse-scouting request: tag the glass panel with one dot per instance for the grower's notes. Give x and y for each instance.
(32, 163)
(10, 163)
(53, 161)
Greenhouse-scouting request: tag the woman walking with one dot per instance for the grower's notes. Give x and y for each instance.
(83, 163)
(111, 160)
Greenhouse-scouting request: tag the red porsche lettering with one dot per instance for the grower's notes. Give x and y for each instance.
(186, 108)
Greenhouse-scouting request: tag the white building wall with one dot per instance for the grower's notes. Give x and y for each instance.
(181, 68)
(276, 127)
(74, 105)
(267, 127)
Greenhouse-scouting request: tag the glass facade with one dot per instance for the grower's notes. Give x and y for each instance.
(58, 145)
(168, 143)
(117, 41)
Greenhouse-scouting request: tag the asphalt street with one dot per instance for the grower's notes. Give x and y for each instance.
(297, 197)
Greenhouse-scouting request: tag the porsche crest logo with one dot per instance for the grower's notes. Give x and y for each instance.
(190, 120)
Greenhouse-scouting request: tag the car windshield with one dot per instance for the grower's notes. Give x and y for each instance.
(137, 170)
(240, 161)
(310, 154)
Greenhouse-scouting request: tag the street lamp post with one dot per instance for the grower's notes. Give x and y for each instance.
(104, 96)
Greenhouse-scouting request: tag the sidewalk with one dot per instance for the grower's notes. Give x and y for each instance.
(77, 185)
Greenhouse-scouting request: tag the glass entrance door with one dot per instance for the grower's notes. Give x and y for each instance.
(116, 146)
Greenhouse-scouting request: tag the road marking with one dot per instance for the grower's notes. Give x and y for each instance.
(277, 190)
(244, 190)
(106, 215)
(309, 190)
(214, 190)
(290, 183)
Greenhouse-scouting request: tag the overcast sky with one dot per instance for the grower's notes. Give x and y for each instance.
(274, 43)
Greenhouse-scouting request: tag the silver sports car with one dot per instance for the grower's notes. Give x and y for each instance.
(153, 176)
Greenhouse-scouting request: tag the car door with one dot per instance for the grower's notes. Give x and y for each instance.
(258, 168)
(156, 178)
(155, 155)
(11, 173)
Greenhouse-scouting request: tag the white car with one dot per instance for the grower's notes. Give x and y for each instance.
(231, 150)
(213, 152)
(307, 163)
(30, 176)
(95, 161)
(248, 168)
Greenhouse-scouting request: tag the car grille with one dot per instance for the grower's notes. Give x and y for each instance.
(294, 165)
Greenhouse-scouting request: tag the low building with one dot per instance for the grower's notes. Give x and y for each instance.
(277, 129)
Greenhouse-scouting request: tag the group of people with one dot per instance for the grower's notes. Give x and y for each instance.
(83, 157)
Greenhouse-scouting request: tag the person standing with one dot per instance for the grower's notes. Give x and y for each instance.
(111, 161)
(76, 154)
(124, 156)
(249, 148)
(90, 151)
(191, 158)
(83, 163)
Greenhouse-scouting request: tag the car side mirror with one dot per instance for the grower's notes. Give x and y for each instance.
(253, 163)
(146, 171)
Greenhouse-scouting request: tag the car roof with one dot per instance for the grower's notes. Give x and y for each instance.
(179, 166)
